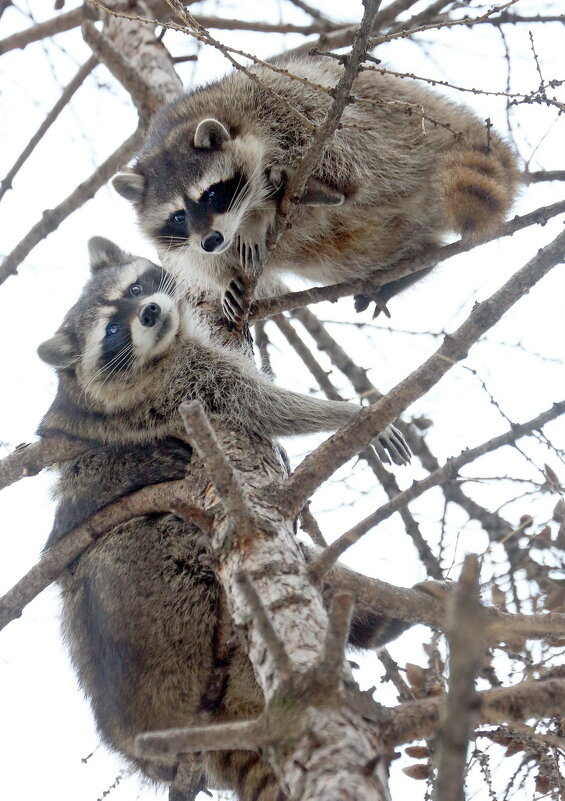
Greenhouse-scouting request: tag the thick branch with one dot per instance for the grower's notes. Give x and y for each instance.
(458, 710)
(52, 218)
(317, 467)
(245, 735)
(417, 720)
(221, 473)
(29, 460)
(428, 258)
(160, 498)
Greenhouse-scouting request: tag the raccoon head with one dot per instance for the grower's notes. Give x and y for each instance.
(195, 183)
(125, 319)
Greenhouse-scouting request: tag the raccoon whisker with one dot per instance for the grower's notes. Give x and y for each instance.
(112, 366)
(236, 193)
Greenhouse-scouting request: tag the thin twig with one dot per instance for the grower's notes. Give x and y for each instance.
(428, 258)
(447, 472)
(86, 190)
(317, 467)
(66, 95)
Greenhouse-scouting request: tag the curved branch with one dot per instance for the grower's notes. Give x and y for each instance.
(161, 498)
(317, 467)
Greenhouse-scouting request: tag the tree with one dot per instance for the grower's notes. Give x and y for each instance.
(508, 503)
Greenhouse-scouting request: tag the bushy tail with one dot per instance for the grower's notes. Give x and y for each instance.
(478, 183)
(245, 773)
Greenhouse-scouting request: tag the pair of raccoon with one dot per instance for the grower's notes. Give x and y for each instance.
(140, 607)
(405, 166)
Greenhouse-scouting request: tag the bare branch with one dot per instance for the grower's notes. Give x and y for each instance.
(447, 472)
(458, 710)
(221, 473)
(67, 94)
(418, 720)
(52, 218)
(42, 30)
(159, 498)
(337, 633)
(132, 80)
(428, 258)
(309, 524)
(272, 642)
(246, 735)
(341, 95)
(29, 460)
(317, 467)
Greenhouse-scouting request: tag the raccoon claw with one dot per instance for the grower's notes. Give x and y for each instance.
(390, 444)
(251, 255)
(362, 302)
(234, 302)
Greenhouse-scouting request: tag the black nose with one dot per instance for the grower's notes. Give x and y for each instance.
(149, 314)
(212, 241)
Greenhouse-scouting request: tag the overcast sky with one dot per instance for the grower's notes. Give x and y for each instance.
(47, 731)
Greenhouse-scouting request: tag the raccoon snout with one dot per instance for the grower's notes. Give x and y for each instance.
(212, 241)
(149, 314)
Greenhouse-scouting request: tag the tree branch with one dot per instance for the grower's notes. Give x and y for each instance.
(161, 498)
(29, 460)
(332, 553)
(221, 473)
(67, 94)
(428, 258)
(317, 467)
(417, 720)
(52, 218)
(458, 709)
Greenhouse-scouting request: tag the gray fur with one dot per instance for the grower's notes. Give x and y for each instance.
(140, 609)
(409, 164)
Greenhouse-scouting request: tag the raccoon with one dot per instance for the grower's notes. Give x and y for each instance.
(140, 607)
(405, 166)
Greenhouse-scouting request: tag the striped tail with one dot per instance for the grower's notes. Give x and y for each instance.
(245, 773)
(478, 182)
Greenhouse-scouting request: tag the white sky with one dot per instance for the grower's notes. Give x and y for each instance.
(46, 729)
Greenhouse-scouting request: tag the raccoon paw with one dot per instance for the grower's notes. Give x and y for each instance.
(391, 445)
(235, 304)
(362, 302)
(251, 254)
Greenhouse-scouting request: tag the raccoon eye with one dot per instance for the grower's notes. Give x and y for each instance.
(112, 329)
(179, 217)
(135, 289)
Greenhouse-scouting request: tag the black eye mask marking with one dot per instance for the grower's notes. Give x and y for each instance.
(219, 197)
(117, 352)
(176, 227)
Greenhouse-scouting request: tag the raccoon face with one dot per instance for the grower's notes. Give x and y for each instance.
(193, 187)
(126, 319)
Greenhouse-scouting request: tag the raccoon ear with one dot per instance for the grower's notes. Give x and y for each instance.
(59, 351)
(210, 135)
(104, 253)
(317, 193)
(129, 185)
